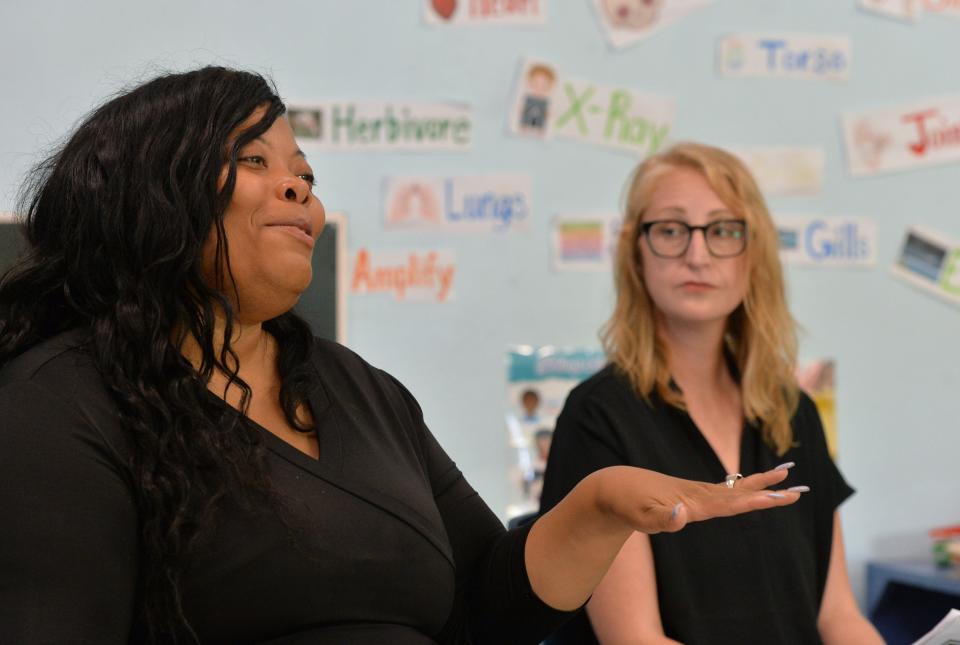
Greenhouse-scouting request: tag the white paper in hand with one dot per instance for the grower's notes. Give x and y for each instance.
(947, 631)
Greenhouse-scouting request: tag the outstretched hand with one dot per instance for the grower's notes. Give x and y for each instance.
(653, 503)
(571, 546)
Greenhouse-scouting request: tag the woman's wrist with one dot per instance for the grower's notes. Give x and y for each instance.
(604, 493)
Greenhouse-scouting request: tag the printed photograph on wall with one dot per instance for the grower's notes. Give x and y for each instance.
(538, 381)
(931, 262)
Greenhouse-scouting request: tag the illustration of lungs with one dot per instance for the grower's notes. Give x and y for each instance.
(414, 202)
(444, 8)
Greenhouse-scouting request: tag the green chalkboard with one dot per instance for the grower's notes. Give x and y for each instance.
(322, 304)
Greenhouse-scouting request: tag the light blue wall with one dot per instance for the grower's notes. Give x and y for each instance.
(897, 350)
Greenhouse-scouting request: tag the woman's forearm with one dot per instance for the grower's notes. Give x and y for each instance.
(570, 548)
(850, 629)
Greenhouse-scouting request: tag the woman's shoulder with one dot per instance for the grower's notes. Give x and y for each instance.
(60, 366)
(347, 375)
(806, 418)
(607, 388)
(336, 362)
(56, 386)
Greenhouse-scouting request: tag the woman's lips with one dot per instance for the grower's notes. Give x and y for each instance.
(696, 286)
(295, 231)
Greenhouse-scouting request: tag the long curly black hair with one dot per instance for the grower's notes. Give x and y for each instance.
(115, 220)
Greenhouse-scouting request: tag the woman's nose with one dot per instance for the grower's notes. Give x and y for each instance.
(293, 189)
(697, 251)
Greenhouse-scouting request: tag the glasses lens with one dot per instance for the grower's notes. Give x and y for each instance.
(668, 239)
(727, 237)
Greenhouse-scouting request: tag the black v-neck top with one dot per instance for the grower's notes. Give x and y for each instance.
(753, 578)
(382, 540)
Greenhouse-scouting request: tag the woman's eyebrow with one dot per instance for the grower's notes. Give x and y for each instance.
(720, 212)
(296, 153)
(675, 209)
(679, 210)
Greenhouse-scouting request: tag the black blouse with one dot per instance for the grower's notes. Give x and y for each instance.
(753, 578)
(381, 541)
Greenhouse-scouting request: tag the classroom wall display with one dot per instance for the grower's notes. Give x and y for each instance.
(920, 133)
(545, 285)
(496, 203)
(901, 9)
(784, 171)
(485, 12)
(547, 104)
(627, 22)
(421, 276)
(930, 261)
(369, 126)
(538, 381)
(584, 241)
(829, 242)
(792, 56)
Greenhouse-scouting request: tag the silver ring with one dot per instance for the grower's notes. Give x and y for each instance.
(731, 480)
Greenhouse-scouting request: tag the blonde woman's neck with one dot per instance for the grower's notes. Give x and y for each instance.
(695, 355)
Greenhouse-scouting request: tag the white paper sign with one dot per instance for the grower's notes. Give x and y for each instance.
(548, 104)
(612, 116)
(921, 133)
(783, 171)
(485, 12)
(377, 126)
(900, 9)
(831, 242)
(477, 204)
(795, 56)
(931, 262)
(585, 242)
(946, 632)
(627, 22)
(408, 276)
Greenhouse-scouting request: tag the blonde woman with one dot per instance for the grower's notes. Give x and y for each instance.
(700, 385)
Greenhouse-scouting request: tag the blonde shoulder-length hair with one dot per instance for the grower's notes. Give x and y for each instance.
(761, 334)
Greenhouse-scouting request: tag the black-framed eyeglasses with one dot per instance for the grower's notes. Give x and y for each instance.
(668, 238)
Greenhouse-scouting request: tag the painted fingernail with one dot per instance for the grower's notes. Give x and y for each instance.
(676, 510)
(785, 466)
(799, 489)
(775, 495)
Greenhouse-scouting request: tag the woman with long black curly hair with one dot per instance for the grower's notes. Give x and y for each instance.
(182, 461)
